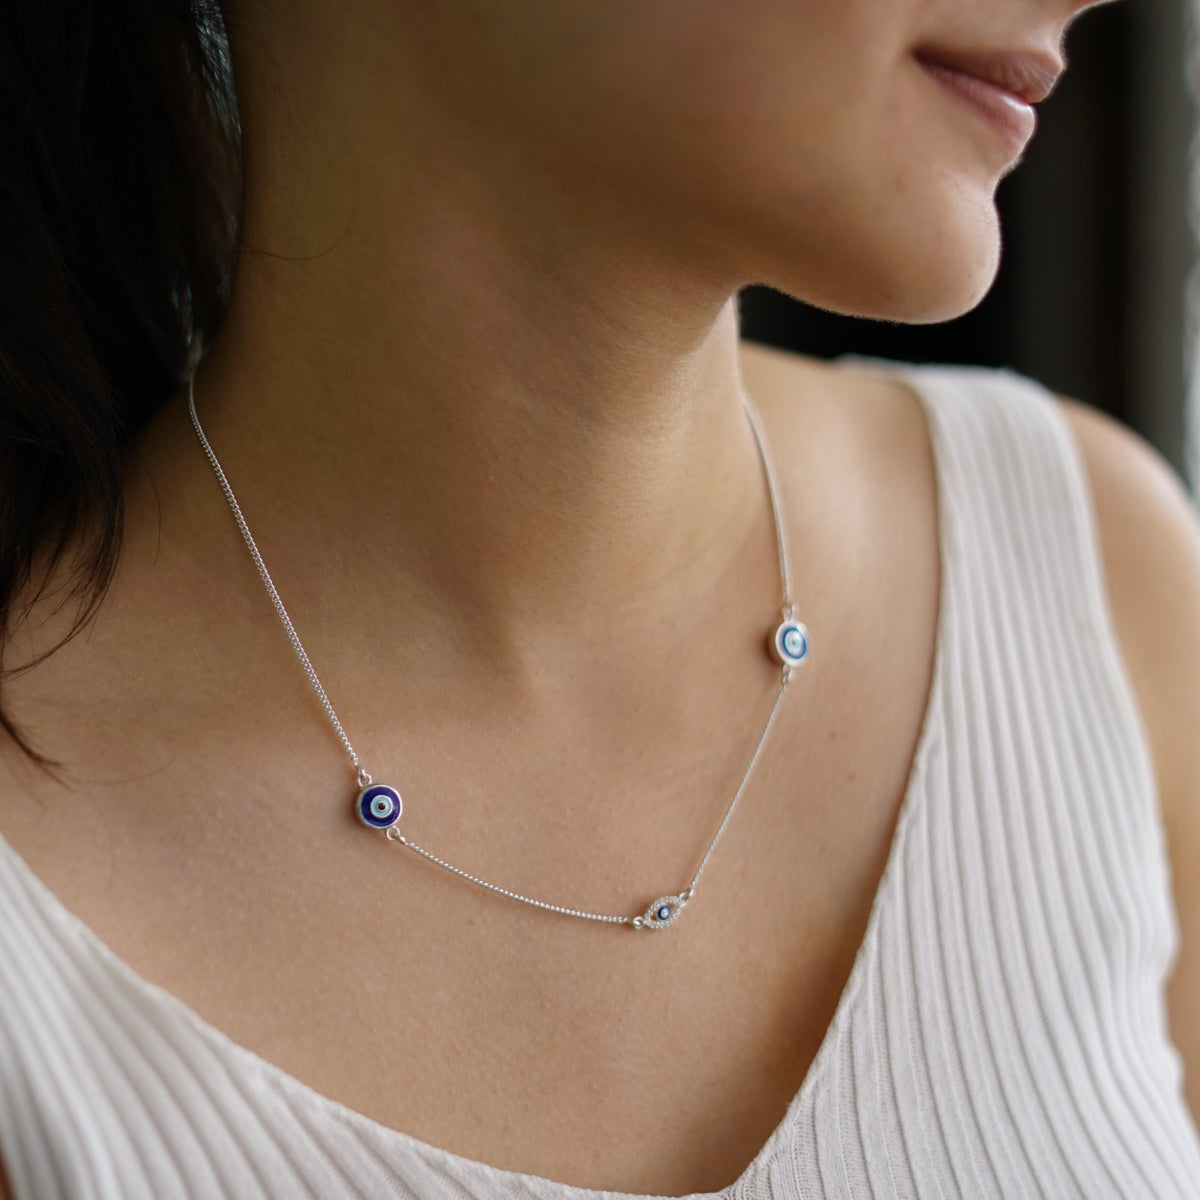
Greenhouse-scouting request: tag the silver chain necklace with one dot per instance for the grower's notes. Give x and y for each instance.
(379, 806)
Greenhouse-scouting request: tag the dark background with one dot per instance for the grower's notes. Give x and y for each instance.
(1090, 296)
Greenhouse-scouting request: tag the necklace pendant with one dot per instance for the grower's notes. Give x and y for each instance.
(663, 912)
(789, 643)
(379, 806)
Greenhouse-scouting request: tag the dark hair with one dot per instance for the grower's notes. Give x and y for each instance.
(120, 191)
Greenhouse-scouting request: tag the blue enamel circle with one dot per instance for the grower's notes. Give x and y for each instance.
(379, 806)
(663, 912)
(791, 643)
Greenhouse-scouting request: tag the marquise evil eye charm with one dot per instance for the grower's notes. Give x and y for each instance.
(663, 912)
(379, 806)
(790, 643)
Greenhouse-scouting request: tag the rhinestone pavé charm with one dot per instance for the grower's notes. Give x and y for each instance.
(789, 646)
(379, 806)
(663, 912)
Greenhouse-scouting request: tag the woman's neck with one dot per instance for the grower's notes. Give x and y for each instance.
(475, 459)
(468, 390)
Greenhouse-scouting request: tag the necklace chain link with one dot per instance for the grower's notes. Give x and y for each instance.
(664, 911)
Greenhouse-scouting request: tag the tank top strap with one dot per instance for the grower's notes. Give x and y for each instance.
(1020, 535)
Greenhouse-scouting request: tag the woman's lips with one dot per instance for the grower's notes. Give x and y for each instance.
(1002, 89)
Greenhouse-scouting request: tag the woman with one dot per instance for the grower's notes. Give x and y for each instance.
(479, 396)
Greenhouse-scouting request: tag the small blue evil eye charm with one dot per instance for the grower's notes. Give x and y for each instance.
(789, 646)
(663, 912)
(379, 806)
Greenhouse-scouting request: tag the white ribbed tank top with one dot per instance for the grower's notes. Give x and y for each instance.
(1002, 1032)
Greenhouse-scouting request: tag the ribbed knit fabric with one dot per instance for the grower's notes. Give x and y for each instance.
(1002, 1033)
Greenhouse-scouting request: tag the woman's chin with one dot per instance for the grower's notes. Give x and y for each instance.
(911, 288)
(937, 300)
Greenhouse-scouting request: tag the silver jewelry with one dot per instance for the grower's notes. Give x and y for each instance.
(379, 806)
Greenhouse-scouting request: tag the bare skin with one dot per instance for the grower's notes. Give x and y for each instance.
(276, 957)
(486, 425)
(259, 924)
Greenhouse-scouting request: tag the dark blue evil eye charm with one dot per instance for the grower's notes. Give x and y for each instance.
(663, 912)
(789, 646)
(379, 806)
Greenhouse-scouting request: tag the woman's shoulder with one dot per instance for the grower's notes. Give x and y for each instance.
(1148, 531)
(1150, 545)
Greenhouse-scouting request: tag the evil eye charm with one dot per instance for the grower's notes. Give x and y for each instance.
(379, 806)
(790, 644)
(663, 912)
